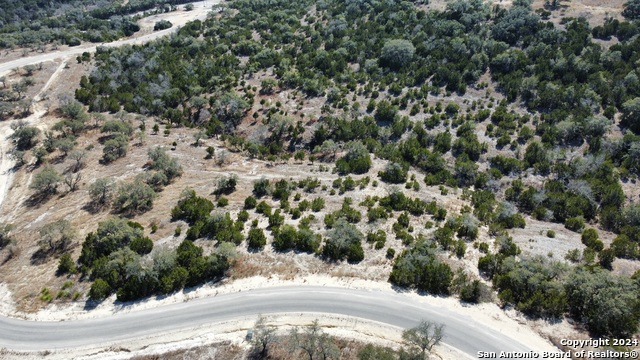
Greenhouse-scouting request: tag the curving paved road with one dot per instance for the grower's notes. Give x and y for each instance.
(461, 332)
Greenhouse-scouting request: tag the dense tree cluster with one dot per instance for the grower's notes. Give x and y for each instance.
(37, 23)
(420, 268)
(344, 242)
(192, 208)
(119, 258)
(606, 303)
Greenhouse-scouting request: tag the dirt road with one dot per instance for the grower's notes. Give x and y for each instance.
(178, 18)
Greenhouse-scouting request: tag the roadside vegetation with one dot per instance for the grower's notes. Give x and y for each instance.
(312, 342)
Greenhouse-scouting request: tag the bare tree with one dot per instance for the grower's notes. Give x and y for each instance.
(423, 337)
(222, 158)
(328, 147)
(20, 88)
(314, 343)
(72, 181)
(101, 191)
(197, 137)
(56, 236)
(79, 157)
(141, 136)
(98, 119)
(25, 107)
(29, 69)
(263, 336)
(5, 234)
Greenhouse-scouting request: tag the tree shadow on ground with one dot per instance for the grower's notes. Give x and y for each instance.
(37, 199)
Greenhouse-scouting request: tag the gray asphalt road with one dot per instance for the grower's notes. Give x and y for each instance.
(462, 332)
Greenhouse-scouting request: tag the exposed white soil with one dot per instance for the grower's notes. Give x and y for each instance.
(490, 315)
(37, 112)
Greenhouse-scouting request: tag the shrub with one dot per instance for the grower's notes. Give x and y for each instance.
(281, 190)
(589, 238)
(573, 255)
(100, 290)
(551, 234)
(624, 247)
(461, 248)
(605, 302)
(574, 223)
(378, 236)
(606, 257)
(473, 291)
(162, 25)
(66, 265)
(112, 234)
(444, 237)
(394, 173)
(434, 277)
(285, 238)
(356, 161)
(391, 252)
(532, 286)
(250, 202)
(45, 295)
(191, 208)
(220, 227)
(261, 188)
(226, 184)
(304, 205)
(243, 216)
(142, 245)
(263, 208)
(397, 53)
(344, 242)
(467, 226)
(134, 197)
(377, 213)
(307, 241)
(162, 162)
(256, 238)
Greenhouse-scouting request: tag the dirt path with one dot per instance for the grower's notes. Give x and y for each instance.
(177, 18)
(6, 161)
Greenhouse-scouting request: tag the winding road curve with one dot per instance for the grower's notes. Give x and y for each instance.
(462, 332)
